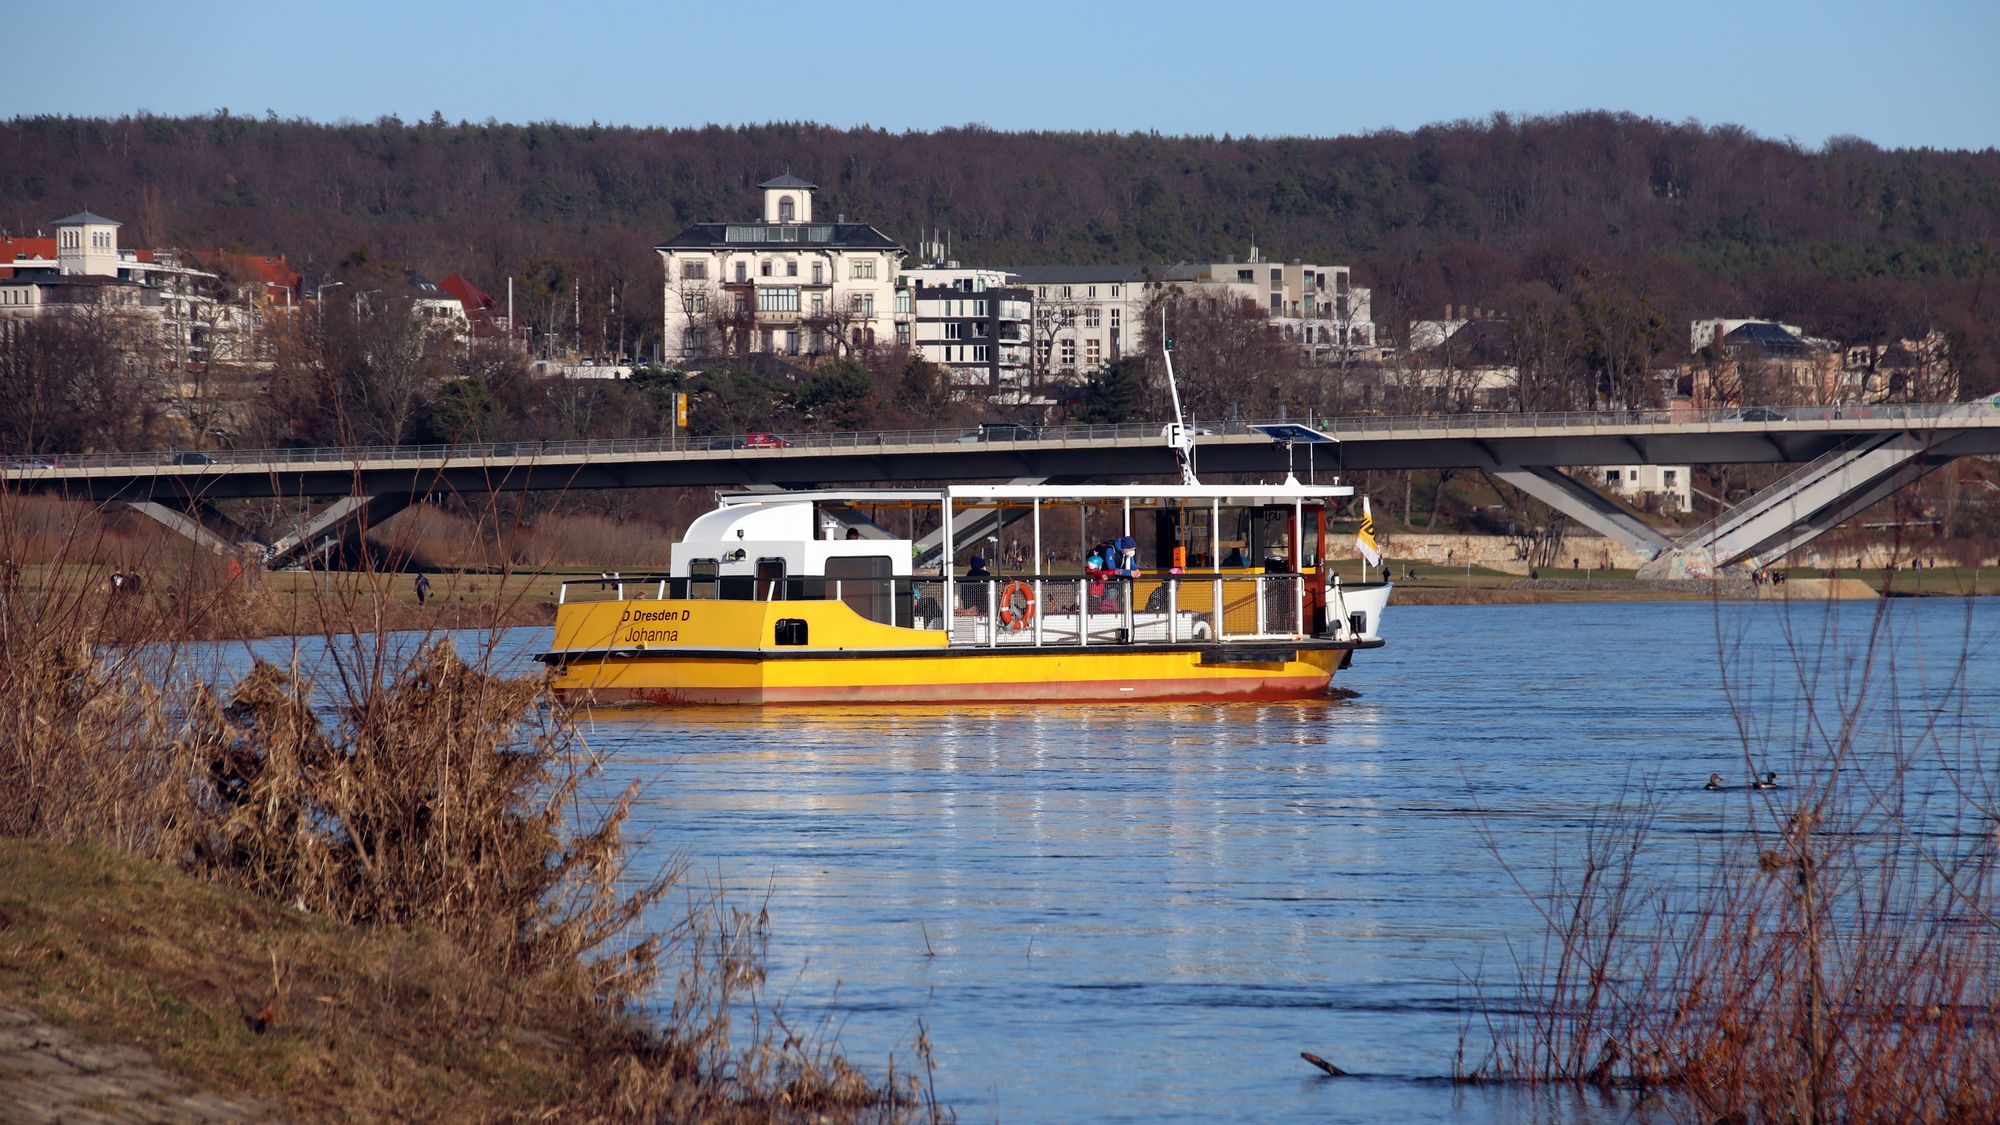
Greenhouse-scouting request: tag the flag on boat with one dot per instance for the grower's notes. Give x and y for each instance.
(1365, 538)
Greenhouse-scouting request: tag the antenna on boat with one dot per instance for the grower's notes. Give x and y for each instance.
(1178, 438)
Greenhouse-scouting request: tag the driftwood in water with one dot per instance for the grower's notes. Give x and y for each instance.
(1323, 1064)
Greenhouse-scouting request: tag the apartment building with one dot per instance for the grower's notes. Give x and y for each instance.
(969, 321)
(786, 283)
(189, 315)
(1088, 317)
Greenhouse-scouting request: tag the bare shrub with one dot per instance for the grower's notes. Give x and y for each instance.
(1836, 958)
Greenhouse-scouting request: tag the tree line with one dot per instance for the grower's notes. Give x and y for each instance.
(1855, 241)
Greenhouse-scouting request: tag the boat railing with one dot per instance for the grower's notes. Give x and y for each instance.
(1031, 610)
(1039, 611)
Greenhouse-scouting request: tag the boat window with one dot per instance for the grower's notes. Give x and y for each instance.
(770, 580)
(866, 583)
(789, 631)
(703, 575)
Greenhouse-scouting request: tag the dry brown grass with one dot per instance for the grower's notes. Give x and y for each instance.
(390, 791)
(1836, 958)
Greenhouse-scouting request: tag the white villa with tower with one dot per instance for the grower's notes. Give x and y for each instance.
(787, 284)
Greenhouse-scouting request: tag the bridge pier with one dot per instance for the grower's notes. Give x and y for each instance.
(1810, 501)
(1580, 502)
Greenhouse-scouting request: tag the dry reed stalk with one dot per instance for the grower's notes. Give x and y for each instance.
(1838, 959)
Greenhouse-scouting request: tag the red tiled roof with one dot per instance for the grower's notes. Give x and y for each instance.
(14, 248)
(468, 294)
(480, 307)
(278, 278)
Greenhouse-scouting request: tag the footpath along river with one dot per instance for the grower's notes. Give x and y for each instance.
(1131, 913)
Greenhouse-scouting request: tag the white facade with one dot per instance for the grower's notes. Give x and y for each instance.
(1089, 317)
(787, 284)
(190, 316)
(1671, 483)
(969, 321)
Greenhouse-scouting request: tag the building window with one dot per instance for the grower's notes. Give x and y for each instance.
(792, 269)
(1277, 303)
(1069, 353)
(902, 300)
(903, 335)
(981, 354)
(819, 304)
(1065, 292)
(1090, 317)
(1277, 278)
(792, 341)
(697, 301)
(742, 272)
(1090, 291)
(777, 298)
(1114, 291)
(819, 273)
(1093, 352)
(1114, 319)
(864, 268)
(953, 330)
(765, 269)
(1612, 476)
(742, 303)
(787, 211)
(1670, 476)
(864, 305)
(1246, 275)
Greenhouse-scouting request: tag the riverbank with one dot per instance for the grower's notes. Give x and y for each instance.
(190, 1001)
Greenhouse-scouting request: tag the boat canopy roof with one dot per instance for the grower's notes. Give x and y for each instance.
(1290, 491)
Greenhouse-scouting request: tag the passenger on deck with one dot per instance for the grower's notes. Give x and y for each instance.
(1235, 558)
(973, 587)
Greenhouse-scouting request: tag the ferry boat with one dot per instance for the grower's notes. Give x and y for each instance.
(1104, 593)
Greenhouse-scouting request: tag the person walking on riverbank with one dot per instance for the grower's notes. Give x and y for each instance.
(423, 588)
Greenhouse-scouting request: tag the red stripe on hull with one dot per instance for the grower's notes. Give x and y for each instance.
(1241, 688)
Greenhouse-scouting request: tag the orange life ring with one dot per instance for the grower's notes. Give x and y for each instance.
(1017, 619)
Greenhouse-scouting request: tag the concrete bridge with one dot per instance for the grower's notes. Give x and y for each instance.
(1851, 457)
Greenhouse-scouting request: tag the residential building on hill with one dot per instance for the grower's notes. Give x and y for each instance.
(787, 283)
(1089, 317)
(190, 315)
(969, 321)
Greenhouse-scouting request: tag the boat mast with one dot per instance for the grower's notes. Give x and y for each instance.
(1178, 438)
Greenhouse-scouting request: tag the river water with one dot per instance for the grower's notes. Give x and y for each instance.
(1144, 913)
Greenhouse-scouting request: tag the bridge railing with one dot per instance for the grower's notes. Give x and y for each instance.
(1058, 436)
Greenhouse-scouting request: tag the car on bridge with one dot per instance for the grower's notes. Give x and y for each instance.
(32, 463)
(760, 440)
(193, 459)
(1759, 414)
(1001, 431)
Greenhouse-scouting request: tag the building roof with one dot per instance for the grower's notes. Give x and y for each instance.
(1114, 274)
(1767, 337)
(273, 272)
(24, 249)
(82, 217)
(468, 294)
(1487, 342)
(786, 181)
(780, 236)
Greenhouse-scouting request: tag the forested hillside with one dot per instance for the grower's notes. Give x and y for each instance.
(1851, 241)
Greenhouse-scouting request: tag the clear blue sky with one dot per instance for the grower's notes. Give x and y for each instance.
(1919, 73)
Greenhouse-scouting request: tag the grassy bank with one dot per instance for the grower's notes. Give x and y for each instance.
(323, 1020)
